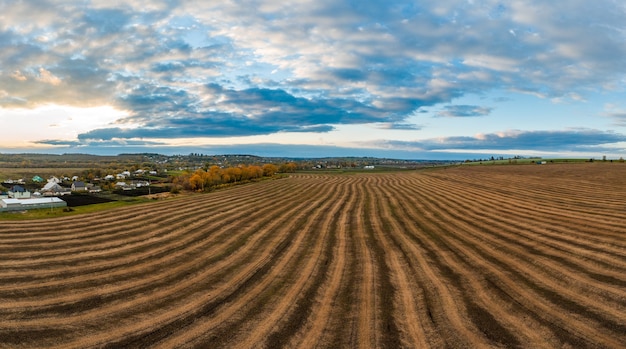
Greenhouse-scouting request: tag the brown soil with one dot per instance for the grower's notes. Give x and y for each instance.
(480, 256)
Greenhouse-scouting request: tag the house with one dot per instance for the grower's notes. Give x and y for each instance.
(120, 176)
(109, 177)
(93, 188)
(79, 186)
(18, 192)
(53, 189)
(37, 179)
(74, 178)
(139, 184)
(123, 186)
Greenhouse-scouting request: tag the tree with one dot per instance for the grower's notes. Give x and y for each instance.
(215, 175)
(269, 170)
(196, 181)
(288, 167)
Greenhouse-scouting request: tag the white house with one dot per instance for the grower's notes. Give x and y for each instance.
(52, 189)
(109, 177)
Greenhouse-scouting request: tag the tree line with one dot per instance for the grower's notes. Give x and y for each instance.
(214, 176)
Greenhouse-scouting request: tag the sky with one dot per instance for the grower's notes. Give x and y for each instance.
(432, 79)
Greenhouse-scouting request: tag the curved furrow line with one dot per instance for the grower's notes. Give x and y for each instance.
(558, 251)
(446, 316)
(482, 317)
(269, 210)
(520, 269)
(364, 332)
(149, 261)
(41, 228)
(522, 252)
(167, 235)
(534, 209)
(388, 333)
(343, 329)
(329, 310)
(283, 316)
(117, 240)
(198, 330)
(441, 253)
(140, 216)
(226, 303)
(495, 321)
(96, 325)
(187, 208)
(556, 232)
(409, 307)
(525, 193)
(170, 253)
(533, 189)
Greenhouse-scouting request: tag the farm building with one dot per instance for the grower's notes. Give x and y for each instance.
(29, 204)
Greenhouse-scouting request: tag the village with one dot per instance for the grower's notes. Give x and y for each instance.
(37, 193)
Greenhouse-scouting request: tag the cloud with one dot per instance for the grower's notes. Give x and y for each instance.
(47, 77)
(17, 75)
(615, 112)
(577, 140)
(216, 111)
(216, 69)
(110, 143)
(463, 111)
(398, 126)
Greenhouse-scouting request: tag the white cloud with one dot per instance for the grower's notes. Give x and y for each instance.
(47, 77)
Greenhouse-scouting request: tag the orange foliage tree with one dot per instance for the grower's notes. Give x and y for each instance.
(202, 180)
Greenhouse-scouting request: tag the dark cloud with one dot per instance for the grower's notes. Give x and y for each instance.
(99, 143)
(567, 140)
(165, 112)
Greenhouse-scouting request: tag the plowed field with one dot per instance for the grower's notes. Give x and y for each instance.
(471, 257)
